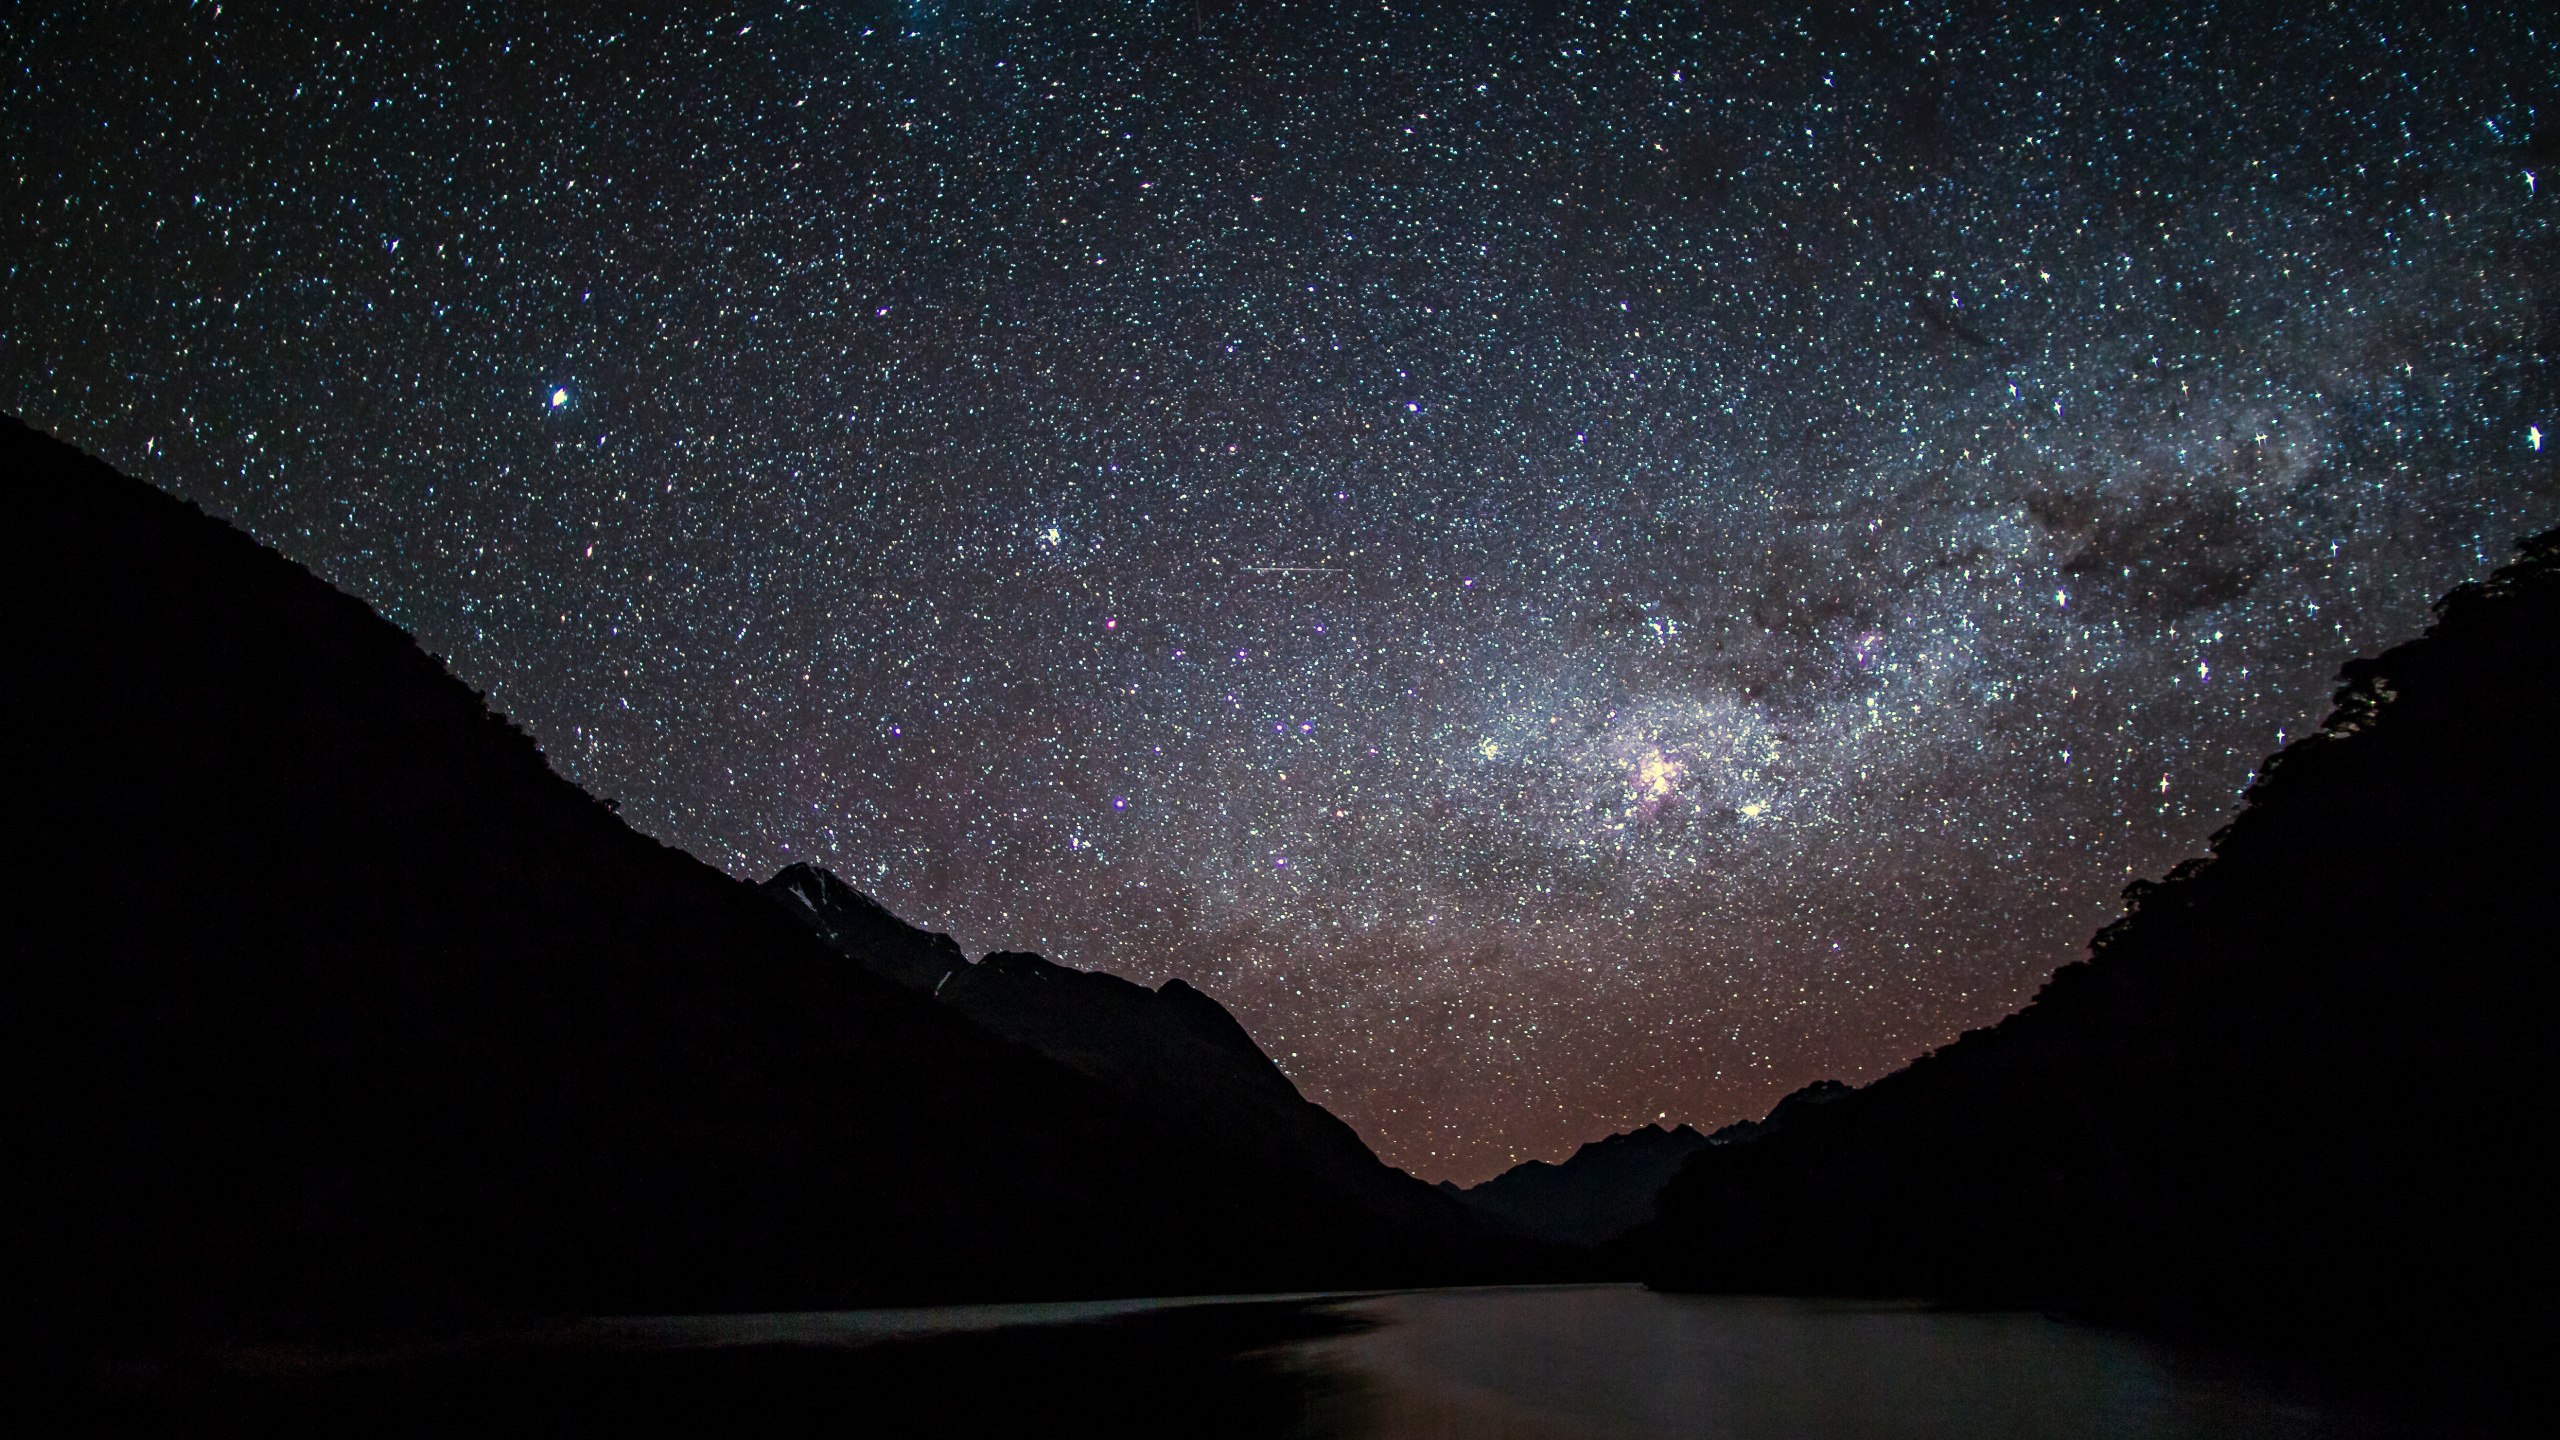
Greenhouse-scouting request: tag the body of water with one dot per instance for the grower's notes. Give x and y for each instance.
(1591, 1362)
(1625, 1363)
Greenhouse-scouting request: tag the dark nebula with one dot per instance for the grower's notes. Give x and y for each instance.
(1571, 567)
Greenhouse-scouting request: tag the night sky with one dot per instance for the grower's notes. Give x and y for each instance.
(1571, 569)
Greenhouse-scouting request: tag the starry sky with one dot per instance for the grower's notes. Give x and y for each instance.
(1574, 564)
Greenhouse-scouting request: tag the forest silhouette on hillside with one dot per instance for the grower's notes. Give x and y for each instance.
(2297, 1091)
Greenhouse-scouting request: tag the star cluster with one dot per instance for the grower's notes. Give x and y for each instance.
(1573, 567)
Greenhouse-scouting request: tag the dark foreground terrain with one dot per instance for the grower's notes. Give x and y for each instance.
(2300, 1093)
(343, 1023)
(337, 1009)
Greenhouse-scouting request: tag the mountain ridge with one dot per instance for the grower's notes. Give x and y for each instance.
(1604, 1188)
(1174, 1050)
(2265, 1102)
(404, 1021)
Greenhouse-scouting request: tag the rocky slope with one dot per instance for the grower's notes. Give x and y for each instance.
(1172, 1051)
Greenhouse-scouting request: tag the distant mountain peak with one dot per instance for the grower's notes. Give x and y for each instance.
(1173, 1050)
(1641, 1137)
(864, 928)
(1605, 1188)
(1209, 1020)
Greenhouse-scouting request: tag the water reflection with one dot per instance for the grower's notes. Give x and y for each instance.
(1543, 1363)
(1627, 1364)
(848, 1328)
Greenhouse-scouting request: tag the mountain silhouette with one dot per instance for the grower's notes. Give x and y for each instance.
(1602, 1190)
(2293, 1091)
(1173, 1051)
(333, 999)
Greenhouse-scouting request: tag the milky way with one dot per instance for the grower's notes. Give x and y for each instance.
(1572, 570)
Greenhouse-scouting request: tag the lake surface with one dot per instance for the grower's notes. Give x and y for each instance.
(1625, 1363)
(1594, 1362)
(1590, 1362)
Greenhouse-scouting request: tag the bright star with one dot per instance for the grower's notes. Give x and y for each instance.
(559, 398)
(2533, 436)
